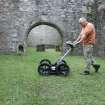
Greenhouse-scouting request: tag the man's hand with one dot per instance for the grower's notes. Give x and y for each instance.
(75, 43)
(71, 44)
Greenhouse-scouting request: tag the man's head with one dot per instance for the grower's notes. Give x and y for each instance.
(83, 21)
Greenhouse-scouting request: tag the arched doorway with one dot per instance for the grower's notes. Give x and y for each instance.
(43, 34)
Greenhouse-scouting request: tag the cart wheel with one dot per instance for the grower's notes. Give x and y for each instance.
(63, 69)
(44, 69)
(45, 61)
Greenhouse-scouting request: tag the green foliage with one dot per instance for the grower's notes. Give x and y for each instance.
(20, 83)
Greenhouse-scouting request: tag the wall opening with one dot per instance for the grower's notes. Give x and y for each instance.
(21, 49)
(45, 35)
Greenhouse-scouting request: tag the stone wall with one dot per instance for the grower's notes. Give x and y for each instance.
(100, 28)
(18, 17)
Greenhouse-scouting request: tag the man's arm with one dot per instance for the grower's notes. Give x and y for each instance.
(83, 36)
(80, 38)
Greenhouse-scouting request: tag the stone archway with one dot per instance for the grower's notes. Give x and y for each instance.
(34, 25)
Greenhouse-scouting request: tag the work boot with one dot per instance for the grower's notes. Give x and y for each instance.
(85, 73)
(96, 67)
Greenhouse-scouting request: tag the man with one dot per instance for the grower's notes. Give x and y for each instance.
(87, 38)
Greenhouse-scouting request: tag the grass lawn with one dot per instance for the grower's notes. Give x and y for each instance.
(20, 83)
